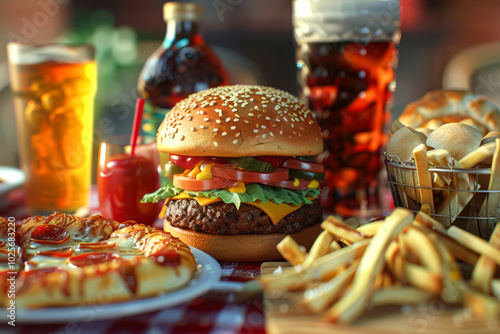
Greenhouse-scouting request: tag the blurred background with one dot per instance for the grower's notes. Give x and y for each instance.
(254, 39)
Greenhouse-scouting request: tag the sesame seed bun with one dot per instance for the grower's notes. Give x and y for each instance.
(237, 121)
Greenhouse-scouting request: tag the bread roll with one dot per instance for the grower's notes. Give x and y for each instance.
(402, 143)
(457, 138)
(446, 106)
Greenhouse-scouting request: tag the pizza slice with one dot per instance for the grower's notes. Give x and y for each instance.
(11, 259)
(82, 261)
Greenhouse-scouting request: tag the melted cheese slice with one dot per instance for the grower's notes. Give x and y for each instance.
(276, 212)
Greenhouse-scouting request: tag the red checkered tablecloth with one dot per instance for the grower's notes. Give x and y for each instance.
(216, 312)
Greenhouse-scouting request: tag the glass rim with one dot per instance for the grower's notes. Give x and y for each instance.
(19, 53)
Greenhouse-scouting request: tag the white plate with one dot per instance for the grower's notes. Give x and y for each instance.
(208, 273)
(12, 178)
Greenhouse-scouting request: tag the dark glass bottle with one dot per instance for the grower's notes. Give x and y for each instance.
(182, 65)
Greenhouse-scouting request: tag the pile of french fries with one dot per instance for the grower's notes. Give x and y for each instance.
(452, 195)
(402, 260)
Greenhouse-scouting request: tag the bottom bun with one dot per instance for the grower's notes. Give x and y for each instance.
(246, 247)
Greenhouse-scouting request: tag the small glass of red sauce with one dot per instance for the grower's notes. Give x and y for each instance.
(122, 179)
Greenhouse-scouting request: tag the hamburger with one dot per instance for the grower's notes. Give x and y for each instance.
(243, 171)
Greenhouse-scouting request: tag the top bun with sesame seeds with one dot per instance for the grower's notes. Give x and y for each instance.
(238, 121)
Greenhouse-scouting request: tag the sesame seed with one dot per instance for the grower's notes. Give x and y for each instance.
(216, 144)
(251, 99)
(224, 134)
(278, 120)
(263, 126)
(250, 114)
(268, 118)
(274, 125)
(264, 105)
(277, 107)
(235, 141)
(272, 135)
(206, 119)
(228, 119)
(234, 109)
(264, 135)
(215, 130)
(217, 121)
(236, 119)
(201, 112)
(281, 132)
(245, 121)
(237, 135)
(236, 115)
(292, 126)
(218, 110)
(193, 129)
(202, 126)
(233, 128)
(256, 130)
(259, 115)
(286, 119)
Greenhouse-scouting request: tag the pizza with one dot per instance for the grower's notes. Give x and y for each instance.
(63, 260)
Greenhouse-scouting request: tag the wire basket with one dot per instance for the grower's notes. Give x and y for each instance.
(470, 205)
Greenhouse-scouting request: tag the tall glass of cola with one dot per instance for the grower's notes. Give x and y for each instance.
(346, 57)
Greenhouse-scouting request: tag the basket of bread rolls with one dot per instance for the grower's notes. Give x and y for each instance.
(444, 151)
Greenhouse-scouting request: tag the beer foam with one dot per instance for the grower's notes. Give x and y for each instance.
(346, 20)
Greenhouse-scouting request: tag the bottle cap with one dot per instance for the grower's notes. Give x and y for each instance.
(178, 11)
(346, 20)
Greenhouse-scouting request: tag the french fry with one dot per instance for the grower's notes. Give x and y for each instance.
(341, 230)
(426, 208)
(325, 266)
(350, 306)
(485, 268)
(495, 287)
(427, 221)
(319, 248)
(288, 280)
(370, 229)
(423, 175)
(424, 248)
(489, 206)
(321, 297)
(394, 261)
(423, 278)
(478, 155)
(480, 304)
(334, 246)
(452, 277)
(405, 295)
(475, 243)
(291, 251)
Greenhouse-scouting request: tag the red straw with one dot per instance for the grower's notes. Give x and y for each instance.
(139, 106)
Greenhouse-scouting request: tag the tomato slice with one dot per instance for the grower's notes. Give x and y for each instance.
(303, 165)
(188, 162)
(49, 234)
(189, 183)
(290, 184)
(234, 173)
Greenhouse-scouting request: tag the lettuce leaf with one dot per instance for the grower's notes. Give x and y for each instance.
(254, 191)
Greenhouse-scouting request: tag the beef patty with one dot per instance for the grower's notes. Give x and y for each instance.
(223, 218)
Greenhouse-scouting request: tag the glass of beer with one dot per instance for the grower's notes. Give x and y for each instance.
(53, 88)
(346, 58)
